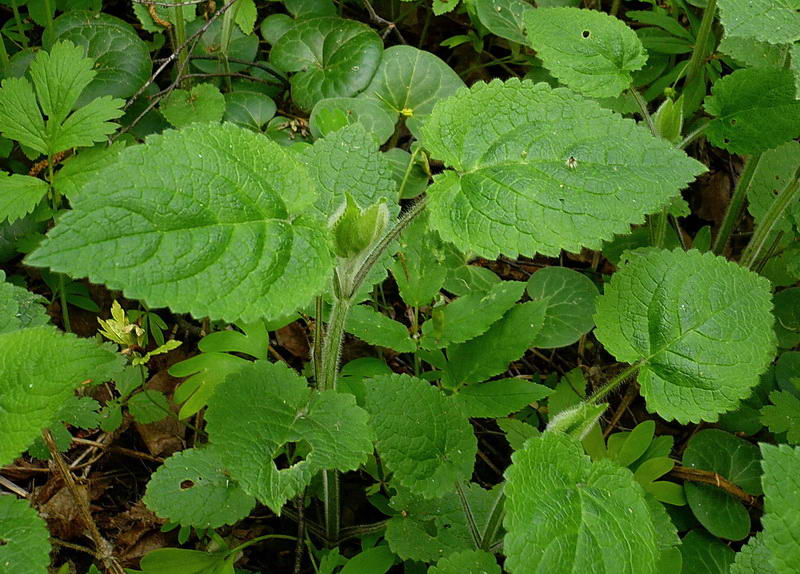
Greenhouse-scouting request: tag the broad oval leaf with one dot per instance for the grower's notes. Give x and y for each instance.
(429, 447)
(262, 407)
(540, 169)
(207, 220)
(737, 460)
(204, 103)
(589, 51)
(40, 367)
(409, 82)
(569, 298)
(745, 101)
(25, 547)
(193, 488)
(699, 325)
(249, 109)
(705, 553)
(330, 57)
(122, 59)
(564, 510)
(773, 21)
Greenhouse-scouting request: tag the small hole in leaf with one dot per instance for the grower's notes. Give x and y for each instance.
(726, 140)
(586, 33)
(3, 541)
(733, 122)
(187, 484)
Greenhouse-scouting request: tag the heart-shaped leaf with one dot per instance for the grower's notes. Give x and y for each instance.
(330, 57)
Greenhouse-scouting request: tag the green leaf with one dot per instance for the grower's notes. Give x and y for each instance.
(753, 53)
(409, 82)
(781, 518)
(148, 406)
(332, 114)
(192, 488)
(700, 327)
(428, 530)
(787, 317)
(569, 297)
(246, 15)
(25, 547)
(773, 21)
(204, 103)
(704, 553)
(377, 560)
(775, 170)
(122, 59)
(460, 322)
(59, 77)
(81, 412)
(262, 407)
(540, 169)
(249, 109)
(331, 57)
(208, 229)
(432, 445)
(561, 509)
(783, 415)
(635, 443)
(733, 458)
(348, 162)
(589, 51)
(517, 432)
(377, 329)
(180, 561)
(419, 267)
(19, 308)
(39, 369)
(745, 101)
(490, 354)
(81, 169)
(499, 398)
(753, 558)
(504, 18)
(466, 562)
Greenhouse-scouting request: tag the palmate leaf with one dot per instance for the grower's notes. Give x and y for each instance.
(204, 227)
(781, 519)
(540, 169)
(699, 325)
(589, 51)
(39, 369)
(429, 447)
(59, 77)
(584, 517)
(331, 57)
(25, 548)
(262, 407)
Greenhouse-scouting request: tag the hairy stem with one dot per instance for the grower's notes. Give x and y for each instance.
(332, 345)
(180, 40)
(735, 205)
(615, 382)
(761, 236)
(330, 493)
(62, 294)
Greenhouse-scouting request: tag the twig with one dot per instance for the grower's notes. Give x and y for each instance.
(104, 549)
(73, 546)
(626, 401)
(715, 479)
(390, 26)
(168, 4)
(229, 75)
(18, 490)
